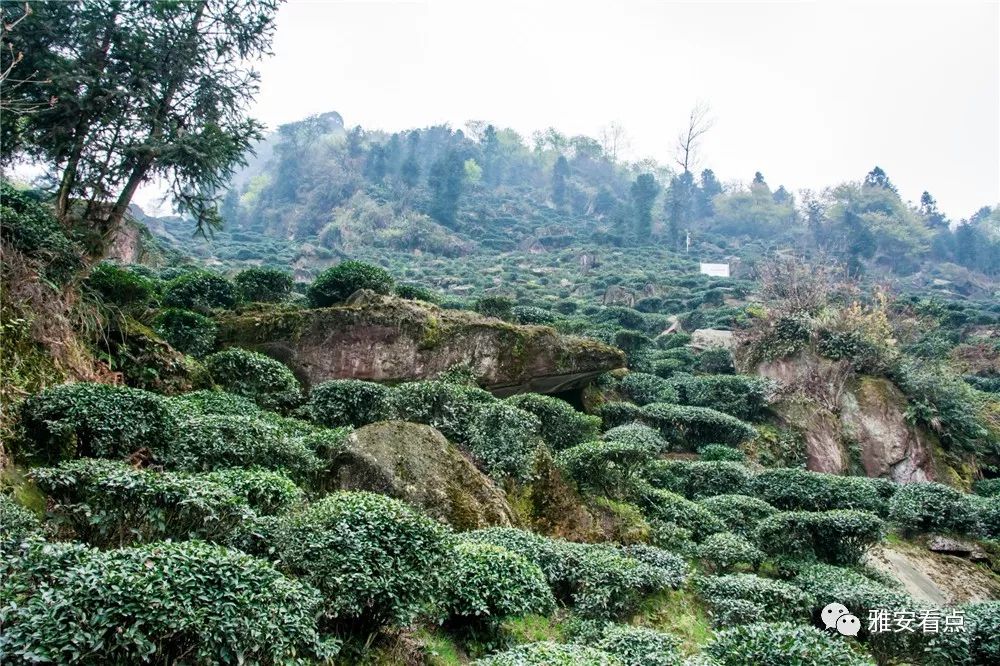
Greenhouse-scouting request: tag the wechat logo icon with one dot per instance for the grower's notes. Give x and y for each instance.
(836, 616)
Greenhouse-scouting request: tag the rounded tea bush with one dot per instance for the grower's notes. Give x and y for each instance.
(721, 452)
(187, 602)
(336, 284)
(349, 402)
(740, 513)
(841, 536)
(18, 522)
(377, 561)
(416, 292)
(94, 420)
(201, 403)
(932, 507)
(695, 426)
(725, 551)
(785, 643)
(503, 439)
(561, 425)
(120, 286)
(795, 489)
(639, 646)
(637, 433)
(266, 492)
(643, 389)
(669, 507)
(451, 408)
(608, 467)
(547, 653)
(490, 583)
(186, 331)
(264, 380)
(200, 291)
(263, 285)
(775, 600)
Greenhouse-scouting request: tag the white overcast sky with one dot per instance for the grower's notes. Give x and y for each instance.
(809, 93)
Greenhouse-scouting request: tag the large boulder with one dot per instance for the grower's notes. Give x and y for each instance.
(416, 464)
(387, 339)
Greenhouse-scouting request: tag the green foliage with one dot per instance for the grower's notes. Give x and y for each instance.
(637, 434)
(988, 512)
(490, 583)
(715, 361)
(348, 402)
(27, 225)
(696, 479)
(725, 551)
(186, 331)
(263, 285)
(501, 307)
(265, 491)
(642, 388)
(740, 513)
(802, 490)
(620, 413)
(18, 523)
(977, 645)
(839, 536)
(451, 408)
(527, 314)
(219, 441)
(774, 600)
(721, 452)
(606, 466)
(416, 292)
(264, 380)
(336, 284)
(94, 420)
(158, 603)
(120, 286)
(639, 646)
(767, 644)
(199, 291)
(694, 426)
(503, 439)
(561, 425)
(213, 402)
(737, 395)
(110, 503)
(550, 654)
(931, 507)
(987, 487)
(667, 507)
(377, 561)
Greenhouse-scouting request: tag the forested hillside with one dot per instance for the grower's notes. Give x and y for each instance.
(456, 397)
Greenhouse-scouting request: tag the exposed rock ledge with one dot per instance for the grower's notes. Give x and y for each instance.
(387, 339)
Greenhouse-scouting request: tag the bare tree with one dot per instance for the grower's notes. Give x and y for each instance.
(613, 140)
(687, 141)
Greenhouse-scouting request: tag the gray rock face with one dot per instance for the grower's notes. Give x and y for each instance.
(703, 338)
(848, 420)
(416, 464)
(617, 295)
(385, 339)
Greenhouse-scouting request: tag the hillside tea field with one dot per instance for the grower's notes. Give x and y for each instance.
(457, 396)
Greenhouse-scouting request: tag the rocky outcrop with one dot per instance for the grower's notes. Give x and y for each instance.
(386, 339)
(415, 463)
(851, 424)
(933, 578)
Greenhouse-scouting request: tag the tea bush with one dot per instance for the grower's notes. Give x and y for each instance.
(737, 395)
(220, 403)
(526, 314)
(695, 426)
(489, 584)
(120, 286)
(673, 568)
(336, 284)
(199, 291)
(620, 413)
(987, 487)
(416, 292)
(29, 227)
(94, 420)
(696, 479)
(642, 388)
(264, 380)
(774, 599)
(716, 361)
(739, 513)
(348, 402)
(988, 512)
(158, 603)
(110, 503)
(18, 522)
(503, 439)
(377, 561)
(838, 537)
(639, 646)
(561, 425)
(802, 490)
(451, 408)
(263, 285)
(931, 507)
(186, 331)
(265, 491)
(501, 307)
(550, 654)
(608, 467)
(637, 434)
(725, 551)
(767, 644)
(721, 452)
(667, 507)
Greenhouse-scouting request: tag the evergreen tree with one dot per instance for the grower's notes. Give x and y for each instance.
(644, 191)
(680, 207)
(491, 156)
(560, 171)
(932, 217)
(445, 181)
(878, 178)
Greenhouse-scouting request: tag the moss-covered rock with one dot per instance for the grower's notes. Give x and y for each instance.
(417, 464)
(387, 339)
